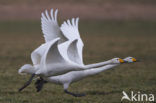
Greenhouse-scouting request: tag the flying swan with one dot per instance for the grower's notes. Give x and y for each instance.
(74, 76)
(61, 52)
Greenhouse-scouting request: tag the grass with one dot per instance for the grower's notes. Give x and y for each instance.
(103, 40)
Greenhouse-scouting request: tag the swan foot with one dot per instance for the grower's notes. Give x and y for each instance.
(27, 83)
(74, 94)
(39, 84)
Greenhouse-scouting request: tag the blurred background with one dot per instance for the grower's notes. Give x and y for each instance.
(109, 28)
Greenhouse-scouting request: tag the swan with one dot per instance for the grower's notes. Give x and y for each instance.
(61, 52)
(74, 76)
(112, 61)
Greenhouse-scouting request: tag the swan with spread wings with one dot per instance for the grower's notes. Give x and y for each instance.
(61, 52)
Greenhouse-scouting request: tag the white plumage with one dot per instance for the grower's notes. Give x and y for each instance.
(74, 76)
(62, 50)
(50, 27)
(60, 58)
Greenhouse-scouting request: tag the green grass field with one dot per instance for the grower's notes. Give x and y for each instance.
(103, 40)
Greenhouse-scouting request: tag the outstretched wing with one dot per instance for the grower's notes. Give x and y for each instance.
(38, 53)
(72, 52)
(36, 56)
(50, 27)
(70, 31)
(52, 55)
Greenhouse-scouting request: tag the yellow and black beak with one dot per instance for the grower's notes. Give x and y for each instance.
(121, 61)
(134, 60)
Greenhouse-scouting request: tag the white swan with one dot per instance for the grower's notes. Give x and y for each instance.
(62, 51)
(41, 81)
(73, 76)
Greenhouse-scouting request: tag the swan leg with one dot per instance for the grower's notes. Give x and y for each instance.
(27, 83)
(39, 84)
(74, 94)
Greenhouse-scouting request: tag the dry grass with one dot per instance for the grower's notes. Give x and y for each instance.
(103, 40)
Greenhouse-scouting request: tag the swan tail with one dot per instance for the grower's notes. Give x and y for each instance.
(26, 69)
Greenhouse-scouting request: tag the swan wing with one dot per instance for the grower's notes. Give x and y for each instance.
(64, 48)
(38, 53)
(70, 30)
(69, 51)
(52, 55)
(50, 27)
(36, 57)
(72, 52)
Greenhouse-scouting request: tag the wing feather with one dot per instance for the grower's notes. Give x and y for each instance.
(38, 53)
(52, 54)
(73, 52)
(70, 30)
(50, 27)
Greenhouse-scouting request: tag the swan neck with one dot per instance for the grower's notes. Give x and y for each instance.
(97, 64)
(99, 70)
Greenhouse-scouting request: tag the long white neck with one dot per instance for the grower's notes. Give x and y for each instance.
(78, 75)
(97, 64)
(98, 70)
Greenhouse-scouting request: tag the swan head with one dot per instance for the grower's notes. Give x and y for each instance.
(130, 59)
(117, 61)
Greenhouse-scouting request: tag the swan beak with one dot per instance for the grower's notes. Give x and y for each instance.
(134, 60)
(121, 61)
